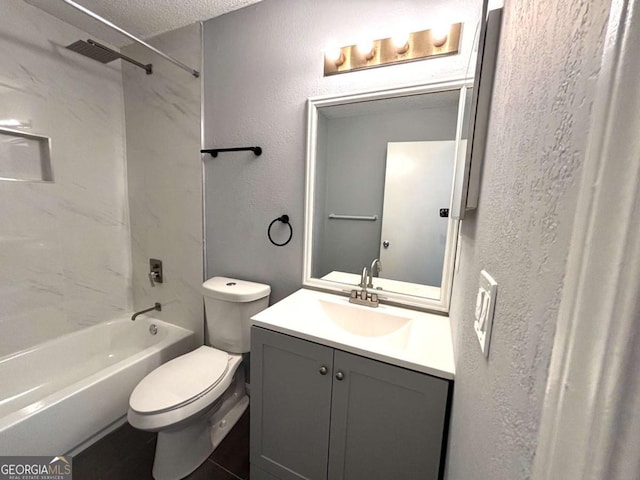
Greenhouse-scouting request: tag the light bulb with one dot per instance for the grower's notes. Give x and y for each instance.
(400, 42)
(365, 48)
(335, 55)
(439, 35)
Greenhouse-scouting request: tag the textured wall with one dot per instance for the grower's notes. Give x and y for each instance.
(261, 64)
(548, 64)
(165, 176)
(64, 246)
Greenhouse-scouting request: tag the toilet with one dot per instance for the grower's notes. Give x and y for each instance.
(194, 400)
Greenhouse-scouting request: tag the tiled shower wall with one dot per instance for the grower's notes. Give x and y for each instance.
(165, 176)
(64, 246)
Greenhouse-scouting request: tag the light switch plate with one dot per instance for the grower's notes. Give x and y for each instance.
(485, 306)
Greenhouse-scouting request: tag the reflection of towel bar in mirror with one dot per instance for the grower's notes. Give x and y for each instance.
(370, 218)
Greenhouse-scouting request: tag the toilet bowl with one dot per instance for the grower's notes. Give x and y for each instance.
(194, 400)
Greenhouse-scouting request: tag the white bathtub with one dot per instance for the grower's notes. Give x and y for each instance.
(61, 395)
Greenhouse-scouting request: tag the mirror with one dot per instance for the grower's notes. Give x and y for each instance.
(380, 175)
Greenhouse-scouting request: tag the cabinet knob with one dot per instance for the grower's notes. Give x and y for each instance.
(339, 376)
(323, 370)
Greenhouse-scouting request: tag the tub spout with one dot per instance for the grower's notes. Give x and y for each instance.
(156, 306)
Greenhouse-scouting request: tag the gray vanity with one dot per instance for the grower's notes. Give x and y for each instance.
(349, 400)
(322, 413)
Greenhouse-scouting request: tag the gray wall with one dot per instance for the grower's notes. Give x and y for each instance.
(355, 177)
(64, 246)
(165, 177)
(261, 64)
(520, 232)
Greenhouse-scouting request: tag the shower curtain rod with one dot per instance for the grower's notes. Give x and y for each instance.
(106, 22)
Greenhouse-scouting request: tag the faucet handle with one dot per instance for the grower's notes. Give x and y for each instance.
(155, 271)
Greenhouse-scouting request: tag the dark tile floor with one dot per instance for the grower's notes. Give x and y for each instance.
(127, 454)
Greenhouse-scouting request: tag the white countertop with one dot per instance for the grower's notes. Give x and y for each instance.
(423, 344)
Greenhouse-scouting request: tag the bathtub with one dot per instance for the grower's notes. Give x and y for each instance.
(60, 396)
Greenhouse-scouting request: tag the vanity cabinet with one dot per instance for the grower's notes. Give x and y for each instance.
(321, 413)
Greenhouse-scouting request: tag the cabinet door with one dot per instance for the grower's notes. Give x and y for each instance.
(386, 422)
(290, 406)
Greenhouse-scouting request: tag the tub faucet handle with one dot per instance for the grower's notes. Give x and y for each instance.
(155, 271)
(153, 278)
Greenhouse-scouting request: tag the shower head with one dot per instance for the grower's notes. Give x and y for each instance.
(91, 50)
(102, 54)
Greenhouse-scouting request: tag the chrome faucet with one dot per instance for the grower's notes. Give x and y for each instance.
(362, 296)
(376, 266)
(363, 279)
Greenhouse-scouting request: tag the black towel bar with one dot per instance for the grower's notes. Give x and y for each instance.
(214, 151)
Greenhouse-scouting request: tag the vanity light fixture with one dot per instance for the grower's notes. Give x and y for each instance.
(397, 49)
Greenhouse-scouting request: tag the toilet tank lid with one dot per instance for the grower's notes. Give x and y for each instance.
(234, 290)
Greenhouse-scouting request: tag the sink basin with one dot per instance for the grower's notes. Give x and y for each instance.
(407, 338)
(365, 323)
(364, 326)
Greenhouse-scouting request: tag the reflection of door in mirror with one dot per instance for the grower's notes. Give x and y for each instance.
(417, 185)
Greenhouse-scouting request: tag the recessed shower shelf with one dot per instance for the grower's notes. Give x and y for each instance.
(25, 156)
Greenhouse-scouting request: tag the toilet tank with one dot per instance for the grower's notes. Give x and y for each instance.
(229, 305)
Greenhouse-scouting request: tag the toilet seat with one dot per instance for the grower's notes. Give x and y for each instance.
(180, 381)
(181, 388)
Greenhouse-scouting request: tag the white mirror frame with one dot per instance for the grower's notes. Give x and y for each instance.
(313, 104)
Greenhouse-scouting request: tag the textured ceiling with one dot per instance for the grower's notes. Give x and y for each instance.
(143, 18)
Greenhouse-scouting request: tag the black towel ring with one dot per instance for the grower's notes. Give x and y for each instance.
(283, 219)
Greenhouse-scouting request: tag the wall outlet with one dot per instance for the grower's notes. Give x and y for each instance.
(485, 306)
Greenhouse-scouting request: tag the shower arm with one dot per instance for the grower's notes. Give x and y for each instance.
(147, 68)
(106, 22)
